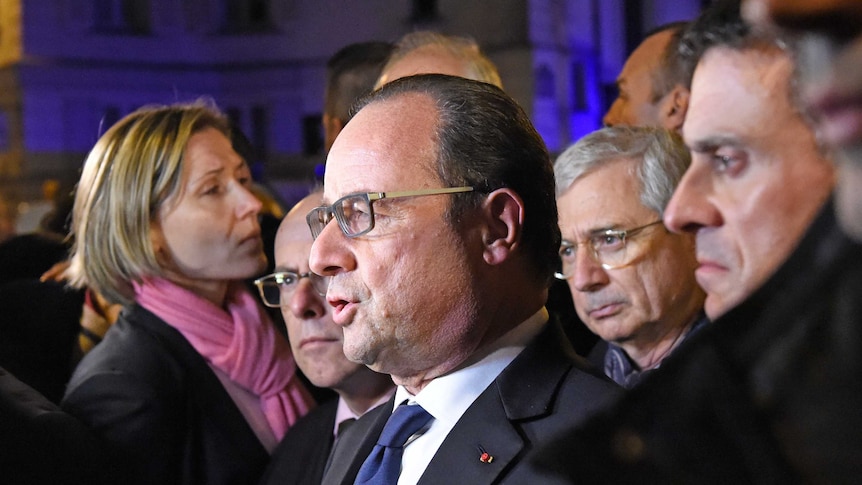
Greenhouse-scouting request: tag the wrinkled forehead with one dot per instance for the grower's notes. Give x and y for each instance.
(388, 145)
(733, 88)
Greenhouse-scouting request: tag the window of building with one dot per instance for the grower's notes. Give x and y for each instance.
(580, 87)
(312, 134)
(423, 11)
(260, 129)
(129, 17)
(545, 84)
(5, 132)
(246, 16)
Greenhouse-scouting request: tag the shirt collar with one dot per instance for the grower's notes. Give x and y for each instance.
(447, 397)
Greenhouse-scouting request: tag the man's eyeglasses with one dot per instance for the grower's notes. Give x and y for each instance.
(355, 212)
(277, 288)
(607, 248)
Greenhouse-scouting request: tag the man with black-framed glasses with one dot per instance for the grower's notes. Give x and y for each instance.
(438, 233)
(316, 343)
(632, 281)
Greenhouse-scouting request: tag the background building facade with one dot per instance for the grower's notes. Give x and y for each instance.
(70, 68)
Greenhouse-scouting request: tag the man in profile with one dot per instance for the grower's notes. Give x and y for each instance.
(654, 84)
(439, 236)
(769, 392)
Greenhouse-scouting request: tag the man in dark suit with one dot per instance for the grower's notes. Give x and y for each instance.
(439, 261)
(315, 340)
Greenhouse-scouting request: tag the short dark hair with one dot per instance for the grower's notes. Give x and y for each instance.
(486, 140)
(720, 25)
(351, 73)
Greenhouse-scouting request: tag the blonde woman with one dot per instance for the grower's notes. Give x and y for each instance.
(192, 384)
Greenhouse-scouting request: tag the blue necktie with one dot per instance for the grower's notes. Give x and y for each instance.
(383, 465)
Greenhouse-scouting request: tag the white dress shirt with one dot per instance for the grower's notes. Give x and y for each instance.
(448, 397)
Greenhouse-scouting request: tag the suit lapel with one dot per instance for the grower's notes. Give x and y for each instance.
(524, 390)
(484, 428)
(355, 445)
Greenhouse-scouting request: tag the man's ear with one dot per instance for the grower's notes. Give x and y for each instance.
(673, 108)
(503, 212)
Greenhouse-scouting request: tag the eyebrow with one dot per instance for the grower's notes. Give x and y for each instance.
(712, 143)
(598, 231)
(220, 170)
(282, 269)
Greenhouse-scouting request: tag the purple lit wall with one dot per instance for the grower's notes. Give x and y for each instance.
(84, 67)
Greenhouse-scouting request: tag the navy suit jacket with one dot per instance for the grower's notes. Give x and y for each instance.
(546, 389)
(163, 412)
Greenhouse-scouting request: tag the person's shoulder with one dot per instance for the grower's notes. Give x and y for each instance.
(558, 378)
(140, 353)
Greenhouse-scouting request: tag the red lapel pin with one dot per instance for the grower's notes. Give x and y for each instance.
(484, 456)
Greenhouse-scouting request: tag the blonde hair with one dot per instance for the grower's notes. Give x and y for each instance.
(130, 172)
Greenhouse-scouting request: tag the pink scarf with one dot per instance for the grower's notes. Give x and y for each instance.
(241, 342)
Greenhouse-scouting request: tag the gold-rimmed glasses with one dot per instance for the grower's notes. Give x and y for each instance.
(355, 212)
(607, 248)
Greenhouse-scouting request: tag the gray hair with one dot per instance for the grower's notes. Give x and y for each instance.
(659, 155)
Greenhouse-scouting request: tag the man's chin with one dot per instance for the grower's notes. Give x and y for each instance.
(717, 305)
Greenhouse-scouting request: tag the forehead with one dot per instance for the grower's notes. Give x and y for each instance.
(203, 143)
(294, 228)
(733, 91)
(646, 57)
(389, 145)
(207, 139)
(606, 196)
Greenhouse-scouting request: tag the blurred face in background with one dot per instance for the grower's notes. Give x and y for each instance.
(756, 179)
(634, 104)
(829, 36)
